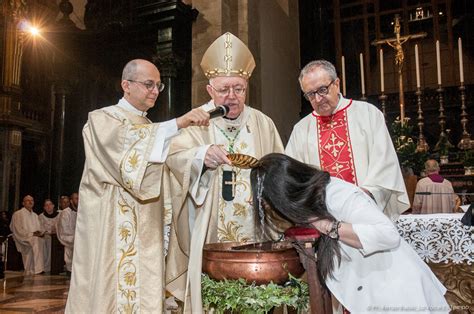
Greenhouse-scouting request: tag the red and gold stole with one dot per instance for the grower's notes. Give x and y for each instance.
(334, 145)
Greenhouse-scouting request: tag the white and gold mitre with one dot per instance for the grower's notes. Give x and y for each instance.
(227, 56)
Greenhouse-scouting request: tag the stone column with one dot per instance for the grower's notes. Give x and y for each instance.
(11, 120)
(167, 105)
(10, 167)
(60, 94)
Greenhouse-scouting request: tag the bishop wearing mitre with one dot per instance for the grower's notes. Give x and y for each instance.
(213, 203)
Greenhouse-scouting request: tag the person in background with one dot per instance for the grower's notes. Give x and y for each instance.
(362, 259)
(4, 224)
(433, 194)
(4, 233)
(66, 230)
(28, 234)
(64, 202)
(74, 201)
(48, 219)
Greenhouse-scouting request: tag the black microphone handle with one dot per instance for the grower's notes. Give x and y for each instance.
(441, 193)
(219, 111)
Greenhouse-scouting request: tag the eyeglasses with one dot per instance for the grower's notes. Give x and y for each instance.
(238, 90)
(150, 85)
(322, 91)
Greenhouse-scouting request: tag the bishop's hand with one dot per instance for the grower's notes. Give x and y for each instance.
(215, 156)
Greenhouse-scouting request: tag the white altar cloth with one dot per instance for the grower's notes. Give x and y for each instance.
(438, 238)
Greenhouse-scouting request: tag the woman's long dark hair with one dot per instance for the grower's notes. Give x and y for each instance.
(297, 192)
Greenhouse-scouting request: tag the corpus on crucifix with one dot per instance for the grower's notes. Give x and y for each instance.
(396, 43)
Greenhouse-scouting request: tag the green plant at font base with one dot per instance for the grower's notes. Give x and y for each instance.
(236, 296)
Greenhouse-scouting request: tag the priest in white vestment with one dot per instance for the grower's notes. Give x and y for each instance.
(48, 219)
(66, 229)
(349, 139)
(214, 203)
(28, 235)
(118, 260)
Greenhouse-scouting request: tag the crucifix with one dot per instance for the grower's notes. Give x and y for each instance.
(229, 179)
(396, 43)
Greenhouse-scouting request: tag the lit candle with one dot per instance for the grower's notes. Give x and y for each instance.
(343, 61)
(417, 67)
(461, 69)
(438, 62)
(382, 86)
(362, 83)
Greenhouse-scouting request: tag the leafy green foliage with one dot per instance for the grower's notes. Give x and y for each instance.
(236, 296)
(405, 146)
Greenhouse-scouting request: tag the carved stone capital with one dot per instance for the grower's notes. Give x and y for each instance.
(169, 64)
(16, 9)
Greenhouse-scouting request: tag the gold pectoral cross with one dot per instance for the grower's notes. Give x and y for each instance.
(232, 182)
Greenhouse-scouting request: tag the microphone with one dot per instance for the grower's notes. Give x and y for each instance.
(219, 111)
(441, 193)
(424, 193)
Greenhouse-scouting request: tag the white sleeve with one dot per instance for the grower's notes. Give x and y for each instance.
(375, 230)
(199, 181)
(291, 148)
(164, 133)
(382, 196)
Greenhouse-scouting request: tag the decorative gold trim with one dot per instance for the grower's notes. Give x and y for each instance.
(227, 56)
(129, 165)
(458, 279)
(127, 270)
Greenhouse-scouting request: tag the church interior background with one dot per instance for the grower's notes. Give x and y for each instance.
(50, 81)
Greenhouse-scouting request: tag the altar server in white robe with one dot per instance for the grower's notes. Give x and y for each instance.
(48, 218)
(66, 229)
(362, 259)
(118, 244)
(433, 194)
(348, 139)
(213, 200)
(28, 235)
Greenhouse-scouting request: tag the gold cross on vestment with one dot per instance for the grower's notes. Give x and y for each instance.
(334, 146)
(396, 43)
(232, 182)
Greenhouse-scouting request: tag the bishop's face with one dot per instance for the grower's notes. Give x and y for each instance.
(230, 91)
(321, 91)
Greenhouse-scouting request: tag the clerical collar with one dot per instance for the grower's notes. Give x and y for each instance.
(341, 105)
(237, 121)
(124, 104)
(54, 214)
